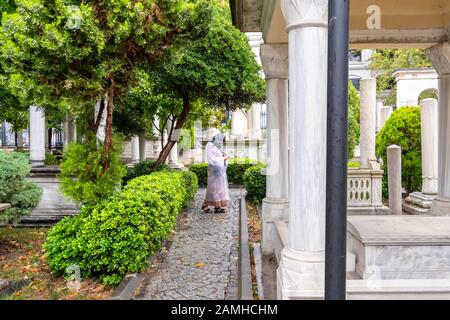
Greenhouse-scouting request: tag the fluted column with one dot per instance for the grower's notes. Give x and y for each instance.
(429, 125)
(385, 113)
(239, 124)
(134, 149)
(367, 119)
(275, 64)
(173, 156)
(37, 136)
(440, 56)
(302, 266)
(142, 146)
(421, 202)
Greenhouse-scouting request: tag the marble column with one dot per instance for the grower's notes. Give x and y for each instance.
(394, 159)
(156, 138)
(440, 56)
(142, 146)
(69, 132)
(134, 149)
(385, 113)
(239, 125)
(254, 122)
(72, 130)
(275, 205)
(367, 118)
(421, 202)
(37, 136)
(378, 116)
(173, 156)
(301, 270)
(429, 124)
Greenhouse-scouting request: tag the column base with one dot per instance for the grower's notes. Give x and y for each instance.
(37, 163)
(440, 207)
(272, 209)
(418, 203)
(301, 275)
(176, 165)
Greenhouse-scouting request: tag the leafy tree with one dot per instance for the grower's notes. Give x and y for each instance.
(220, 70)
(72, 53)
(403, 129)
(11, 109)
(386, 61)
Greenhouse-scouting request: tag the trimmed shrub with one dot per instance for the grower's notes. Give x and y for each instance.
(237, 167)
(82, 177)
(51, 159)
(116, 236)
(143, 168)
(403, 129)
(235, 170)
(191, 183)
(255, 183)
(23, 194)
(201, 171)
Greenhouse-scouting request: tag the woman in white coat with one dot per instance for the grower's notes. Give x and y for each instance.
(217, 194)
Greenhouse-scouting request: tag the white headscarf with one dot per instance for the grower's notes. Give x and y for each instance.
(214, 151)
(218, 141)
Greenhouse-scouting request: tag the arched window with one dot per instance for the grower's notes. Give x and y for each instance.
(428, 94)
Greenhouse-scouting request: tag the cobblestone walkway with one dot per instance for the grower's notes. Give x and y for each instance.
(202, 261)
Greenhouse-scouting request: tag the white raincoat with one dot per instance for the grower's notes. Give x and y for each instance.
(217, 194)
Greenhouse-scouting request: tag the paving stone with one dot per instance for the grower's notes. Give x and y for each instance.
(207, 239)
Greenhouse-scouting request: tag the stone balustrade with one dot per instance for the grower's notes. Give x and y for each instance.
(364, 192)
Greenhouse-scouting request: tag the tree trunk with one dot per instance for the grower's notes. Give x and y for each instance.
(109, 127)
(50, 136)
(165, 152)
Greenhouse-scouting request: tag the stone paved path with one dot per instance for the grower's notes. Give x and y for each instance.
(202, 261)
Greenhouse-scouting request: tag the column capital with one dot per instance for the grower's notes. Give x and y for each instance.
(275, 61)
(440, 58)
(305, 13)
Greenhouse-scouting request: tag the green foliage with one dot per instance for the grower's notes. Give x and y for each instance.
(143, 168)
(255, 183)
(191, 183)
(83, 48)
(386, 61)
(82, 176)
(51, 159)
(236, 169)
(403, 129)
(201, 171)
(116, 236)
(7, 6)
(353, 119)
(23, 195)
(354, 165)
(220, 68)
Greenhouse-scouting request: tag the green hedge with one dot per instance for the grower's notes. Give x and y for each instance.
(235, 170)
(403, 129)
(237, 167)
(116, 236)
(201, 171)
(143, 168)
(23, 194)
(255, 183)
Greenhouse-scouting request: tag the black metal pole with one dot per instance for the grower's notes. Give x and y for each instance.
(337, 150)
